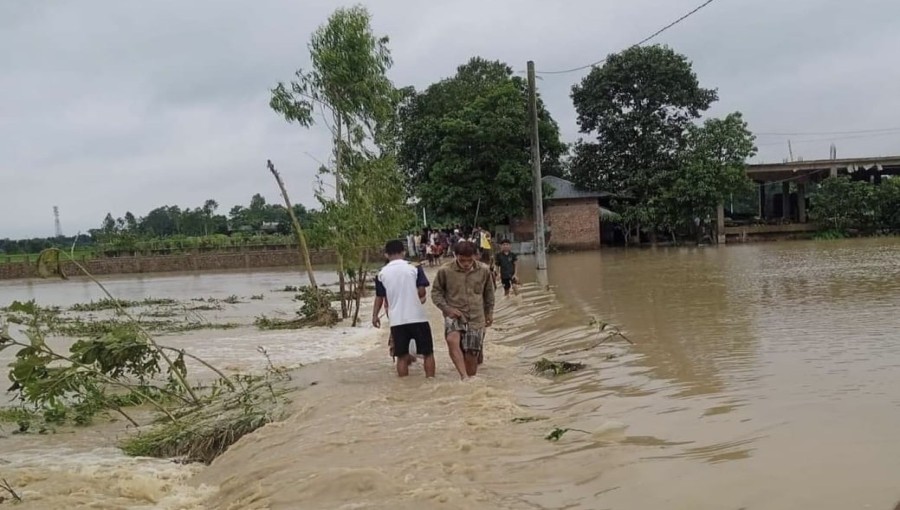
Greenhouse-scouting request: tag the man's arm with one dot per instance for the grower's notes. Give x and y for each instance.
(422, 283)
(515, 261)
(438, 291)
(488, 298)
(380, 295)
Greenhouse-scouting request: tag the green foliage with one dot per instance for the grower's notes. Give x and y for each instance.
(467, 138)
(712, 167)
(202, 434)
(888, 197)
(639, 106)
(556, 434)
(829, 235)
(840, 204)
(348, 76)
(115, 304)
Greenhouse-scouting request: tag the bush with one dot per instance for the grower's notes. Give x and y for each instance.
(841, 204)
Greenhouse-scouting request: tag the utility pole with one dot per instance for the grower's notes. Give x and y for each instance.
(540, 251)
(58, 227)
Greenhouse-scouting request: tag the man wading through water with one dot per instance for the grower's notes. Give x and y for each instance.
(403, 286)
(507, 261)
(464, 291)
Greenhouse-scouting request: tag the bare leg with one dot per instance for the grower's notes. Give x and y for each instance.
(471, 363)
(429, 365)
(456, 354)
(403, 366)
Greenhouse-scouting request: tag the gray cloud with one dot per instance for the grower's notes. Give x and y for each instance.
(118, 106)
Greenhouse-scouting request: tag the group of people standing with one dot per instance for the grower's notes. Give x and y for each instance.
(431, 245)
(463, 291)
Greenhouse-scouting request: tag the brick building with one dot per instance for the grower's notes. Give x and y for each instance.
(572, 216)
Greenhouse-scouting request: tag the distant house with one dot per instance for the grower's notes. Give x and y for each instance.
(572, 216)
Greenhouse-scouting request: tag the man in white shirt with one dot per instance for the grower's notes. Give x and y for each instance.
(403, 286)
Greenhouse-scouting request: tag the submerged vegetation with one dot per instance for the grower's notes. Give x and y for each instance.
(114, 304)
(555, 368)
(119, 366)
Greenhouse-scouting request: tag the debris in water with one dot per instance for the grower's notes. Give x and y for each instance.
(555, 367)
(557, 433)
(528, 419)
(12, 493)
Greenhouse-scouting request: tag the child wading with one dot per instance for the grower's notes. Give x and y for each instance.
(507, 261)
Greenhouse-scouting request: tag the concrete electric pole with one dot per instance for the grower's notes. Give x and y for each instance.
(540, 250)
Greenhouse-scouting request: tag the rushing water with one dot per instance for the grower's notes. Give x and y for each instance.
(762, 377)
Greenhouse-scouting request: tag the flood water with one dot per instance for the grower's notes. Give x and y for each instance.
(762, 377)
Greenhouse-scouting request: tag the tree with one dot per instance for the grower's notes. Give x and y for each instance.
(348, 79)
(373, 210)
(840, 204)
(466, 139)
(712, 166)
(131, 223)
(638, 106)
(109, 225)
(888, 199)
(209, 208)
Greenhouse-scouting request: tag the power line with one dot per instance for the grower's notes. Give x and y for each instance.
(642, 41)
(822, 133)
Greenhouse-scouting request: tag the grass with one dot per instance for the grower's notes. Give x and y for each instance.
(15, 415)
(205, 307)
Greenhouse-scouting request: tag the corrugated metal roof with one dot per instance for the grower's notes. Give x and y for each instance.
(563, 189)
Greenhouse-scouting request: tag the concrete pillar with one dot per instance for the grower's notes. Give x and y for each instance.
(720, 223)
(833, 172)
(801, 202)
(762, 200)
(786, 200)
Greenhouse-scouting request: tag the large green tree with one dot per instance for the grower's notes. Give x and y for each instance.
(638, 107)
(466, 138)
(711, 167)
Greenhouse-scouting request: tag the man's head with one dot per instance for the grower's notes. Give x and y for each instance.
(465, 254)
(394, 249)
(505, 245)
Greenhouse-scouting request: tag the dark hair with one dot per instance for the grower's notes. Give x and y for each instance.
(394, 247)
(505, 241)
(465, 248)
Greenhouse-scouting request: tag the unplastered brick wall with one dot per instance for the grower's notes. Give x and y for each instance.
(574, 224)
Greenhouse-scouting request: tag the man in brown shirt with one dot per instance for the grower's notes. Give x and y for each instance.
(464, 291)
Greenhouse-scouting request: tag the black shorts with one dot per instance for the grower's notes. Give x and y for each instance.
(507, 282)
(418, 331)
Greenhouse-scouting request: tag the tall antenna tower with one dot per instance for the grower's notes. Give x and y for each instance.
(56, 221)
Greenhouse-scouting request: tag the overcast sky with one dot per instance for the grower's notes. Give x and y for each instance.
(117, 105)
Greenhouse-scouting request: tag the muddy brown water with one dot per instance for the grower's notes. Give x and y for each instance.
(763, 377)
